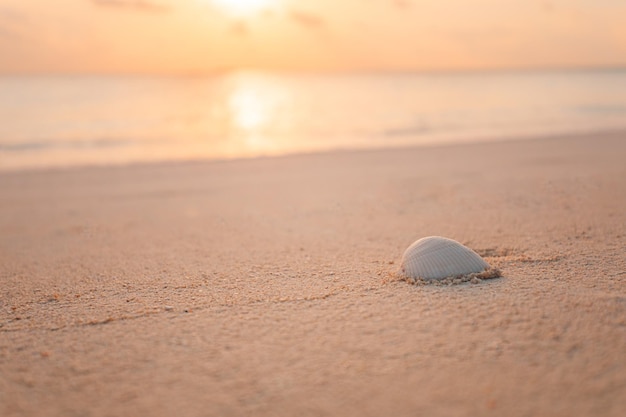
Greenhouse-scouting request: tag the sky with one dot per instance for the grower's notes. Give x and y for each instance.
(201, 36)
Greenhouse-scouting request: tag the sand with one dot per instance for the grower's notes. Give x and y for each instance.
(268, 287)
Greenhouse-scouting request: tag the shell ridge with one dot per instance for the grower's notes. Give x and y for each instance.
(431, 267)
(455, 263)
(448, 263)
(442, 263)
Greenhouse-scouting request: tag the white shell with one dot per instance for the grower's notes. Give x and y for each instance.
(438, 257)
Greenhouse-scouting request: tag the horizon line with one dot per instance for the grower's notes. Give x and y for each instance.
(355, 71)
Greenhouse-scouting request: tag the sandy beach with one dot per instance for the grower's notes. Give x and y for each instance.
(269, 286)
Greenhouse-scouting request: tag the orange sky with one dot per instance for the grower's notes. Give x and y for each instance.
(195, 36)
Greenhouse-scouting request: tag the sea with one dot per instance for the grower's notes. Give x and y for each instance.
(69, 120)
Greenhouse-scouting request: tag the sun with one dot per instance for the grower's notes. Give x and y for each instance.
(242, 7)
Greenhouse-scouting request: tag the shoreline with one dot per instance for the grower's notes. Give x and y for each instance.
(262, 286)
(543, 137)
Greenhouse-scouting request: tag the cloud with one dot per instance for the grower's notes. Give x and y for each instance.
(139, 5)
(402, 4)
(10, 21)
(547, 6)
(308, 20)
(6, 33)
(11, 14)
(239, 29)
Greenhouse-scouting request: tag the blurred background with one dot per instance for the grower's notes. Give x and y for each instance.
(87, 82)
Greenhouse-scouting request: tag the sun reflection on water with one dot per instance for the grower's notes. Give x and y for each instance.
(45, 121)
(255, 107)
(249, 109)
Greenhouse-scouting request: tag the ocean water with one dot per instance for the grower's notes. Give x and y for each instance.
(94, 120)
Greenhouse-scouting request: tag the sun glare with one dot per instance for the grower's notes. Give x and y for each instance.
(256, 107)
(241, 7)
